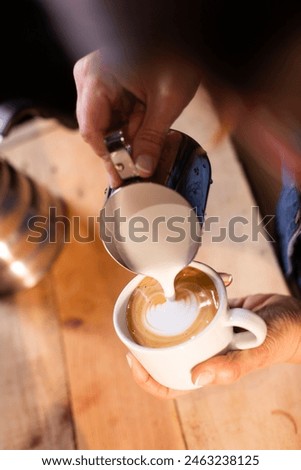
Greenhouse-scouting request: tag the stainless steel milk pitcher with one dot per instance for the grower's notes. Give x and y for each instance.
(182, 178)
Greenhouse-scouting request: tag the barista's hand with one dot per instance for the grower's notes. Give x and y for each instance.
(148, 98)
(282, 345)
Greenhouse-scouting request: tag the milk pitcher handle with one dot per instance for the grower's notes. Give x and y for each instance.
(120, 155)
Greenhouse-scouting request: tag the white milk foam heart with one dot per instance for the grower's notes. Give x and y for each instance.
(172, 317)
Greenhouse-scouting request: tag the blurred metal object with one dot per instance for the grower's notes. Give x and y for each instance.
(30, 237)
(32, 221)
(13, 111)
(120, 155)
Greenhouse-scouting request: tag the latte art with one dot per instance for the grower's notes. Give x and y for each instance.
(156, 322)
(172, 317)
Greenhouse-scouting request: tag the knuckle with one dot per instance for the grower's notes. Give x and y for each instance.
(166, 95)
(151, 136)
(230, 370)
(95, 83)
(280, 343)
(145, 379)
(262, 354)
(166, 394)
(87, 135)
(231, 373)
(86, 75)
(78, 68)
(140, 375)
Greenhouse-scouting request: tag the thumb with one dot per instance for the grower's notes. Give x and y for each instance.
(150, 137)
(232, 366)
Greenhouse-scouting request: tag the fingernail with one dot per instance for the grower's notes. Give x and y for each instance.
(145, 164)
(205, 378)
(129, 361)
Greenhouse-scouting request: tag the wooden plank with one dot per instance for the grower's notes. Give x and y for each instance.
(34, 405)
(261, 411)
(109, 410)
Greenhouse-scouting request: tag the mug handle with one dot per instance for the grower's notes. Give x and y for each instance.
(257, 329)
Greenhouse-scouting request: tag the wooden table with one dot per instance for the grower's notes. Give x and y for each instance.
(64, 381)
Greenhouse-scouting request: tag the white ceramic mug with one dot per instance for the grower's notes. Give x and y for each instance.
(172, 366)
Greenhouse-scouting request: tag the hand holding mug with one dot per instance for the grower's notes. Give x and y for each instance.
(171, 365)
(282, 315)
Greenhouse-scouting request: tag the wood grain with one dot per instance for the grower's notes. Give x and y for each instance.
(242, 415)
(261, 411)
(34, 405)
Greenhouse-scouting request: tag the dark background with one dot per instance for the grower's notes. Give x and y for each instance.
(233, 41)
(34, 64)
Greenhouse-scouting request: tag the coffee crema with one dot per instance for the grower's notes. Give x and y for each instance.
(153, 321)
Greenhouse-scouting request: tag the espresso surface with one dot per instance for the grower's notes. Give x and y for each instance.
(155, 322)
